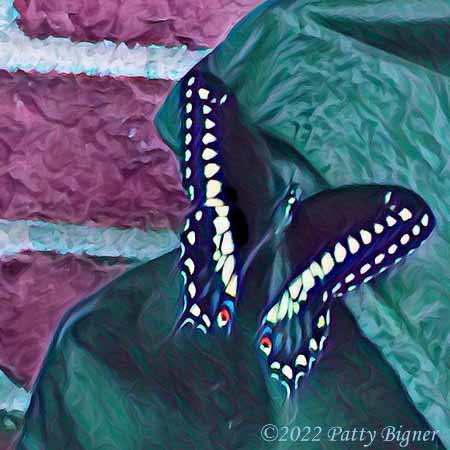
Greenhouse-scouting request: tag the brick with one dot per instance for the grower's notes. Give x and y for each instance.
(166, 22)
(36, 290)
(82, 149)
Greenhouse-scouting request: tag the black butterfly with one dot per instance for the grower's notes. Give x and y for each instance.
(347, 235)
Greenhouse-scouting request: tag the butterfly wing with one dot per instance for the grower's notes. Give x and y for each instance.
(216, 227)
(338, 240)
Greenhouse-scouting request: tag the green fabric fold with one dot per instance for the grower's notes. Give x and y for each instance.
(359, 91)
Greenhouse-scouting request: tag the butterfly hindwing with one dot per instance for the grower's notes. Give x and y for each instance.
(338, 240)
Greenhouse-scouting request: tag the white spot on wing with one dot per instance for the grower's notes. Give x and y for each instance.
(327, 263)
(222, 224)
(195, 310)
(273, 314)
(284, 303)
(216, 240)
(191, 237)
(353, 245)
(203, 93)
(228, 269)
(208, 154)
(405, 214)
(378, 228)
(387, 197)
(190, 265)
(192, 289)
(366, 237)
(213, 202)
(211, 169)
(295, 286)
(227, 246)
(313, 345)
(390, 221)
(308, 280)
(222, 211)
(232, 286)
(322, 341)
(316, 270)
(425, 220)
(209, 124)
(392, 249)
(349, 278)
(213, 188)
(336, 288)
(208, 138)
(297, 378)
(339, 252)
(321, 322)
(404, 239)
(365, 268)
(206, 320)
(301, 360)
(221, 262)
(287, 372)
(379, 258)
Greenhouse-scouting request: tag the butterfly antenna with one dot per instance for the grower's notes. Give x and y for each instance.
(288, 200)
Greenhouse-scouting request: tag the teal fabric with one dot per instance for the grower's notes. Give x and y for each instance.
(116, 379)
(358, 90)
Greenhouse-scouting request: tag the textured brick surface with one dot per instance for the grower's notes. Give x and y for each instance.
(167, 22)
(36, 290)
(82, 149)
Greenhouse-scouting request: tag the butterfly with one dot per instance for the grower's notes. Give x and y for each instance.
(337, 239)
(219, 240)
(216, 227)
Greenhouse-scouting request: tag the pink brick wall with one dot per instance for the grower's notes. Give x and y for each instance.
(166, 22)
(36, 290)
(82, 149)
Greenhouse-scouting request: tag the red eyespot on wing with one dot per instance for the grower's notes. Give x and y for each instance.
(223, 317)
(265, 344)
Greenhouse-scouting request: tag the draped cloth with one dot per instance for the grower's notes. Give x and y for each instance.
(340, 92)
